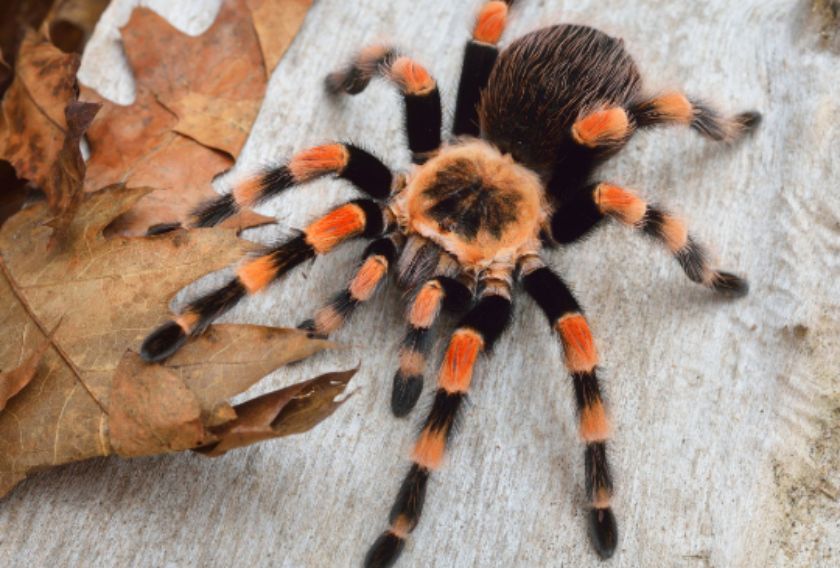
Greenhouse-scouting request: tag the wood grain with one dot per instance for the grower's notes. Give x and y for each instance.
(727, 448)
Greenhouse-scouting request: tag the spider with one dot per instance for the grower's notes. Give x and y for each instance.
(474, 215)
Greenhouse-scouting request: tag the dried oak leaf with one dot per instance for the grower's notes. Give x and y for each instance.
(42, 124)
(70, 23)
(107, 293)
(12, 382)
(136, 145)
(181, 69)
(292, 410)
(277, 23)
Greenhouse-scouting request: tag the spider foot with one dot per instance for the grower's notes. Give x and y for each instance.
(405, 394)
(603, 532)
(384, 551)
(163, 342)
(730, 285)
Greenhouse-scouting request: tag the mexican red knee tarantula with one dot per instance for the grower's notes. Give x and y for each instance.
(473, 215)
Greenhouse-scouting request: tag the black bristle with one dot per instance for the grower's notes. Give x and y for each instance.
(213, 212)
(374, 221)
(412, 494)
(163, 342)
(730, 284)
(416, 339)
(749, 121)
(444, 411)
(587, 390)
(287, 255)
(212, 305)
(551, 293)
(405, 393)
(457, 296)
(382, 247)
(576, 217)
(489, 317)
(603, 532)
(367, 172)
(385, 551)
(273, 181)
(423, 121)
(162, 228)
(479, 59)
(652, 222)
(693, 260)
(597, 469)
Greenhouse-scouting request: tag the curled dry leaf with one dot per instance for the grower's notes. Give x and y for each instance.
(42, 124)
(91, 395)
(70, 22)
(292, 410)
(12, 382)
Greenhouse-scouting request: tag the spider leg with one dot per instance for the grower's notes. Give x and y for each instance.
(377, 259)
(359, 218)
(479, 57)
(597, 202)
(476, 332)
(423, 115)
(345, 161)
(581, 358)
(676, 108)
(441, 291)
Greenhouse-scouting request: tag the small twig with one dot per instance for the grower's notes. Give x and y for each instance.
(48, 334)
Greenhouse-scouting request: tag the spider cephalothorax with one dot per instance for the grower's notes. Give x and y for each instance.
(475, 203)
(473, 215)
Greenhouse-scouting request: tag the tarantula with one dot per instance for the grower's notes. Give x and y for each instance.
(473, 215)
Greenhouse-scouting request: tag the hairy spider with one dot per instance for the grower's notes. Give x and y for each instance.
(474, 214)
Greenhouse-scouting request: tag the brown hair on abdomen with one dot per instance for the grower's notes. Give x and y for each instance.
(545, 81)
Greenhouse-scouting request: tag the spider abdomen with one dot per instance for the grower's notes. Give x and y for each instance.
(475, 203)
(544, 81)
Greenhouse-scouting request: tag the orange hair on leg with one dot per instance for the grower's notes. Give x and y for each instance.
(594, 424)
(491, 22)
(578, 345)
(426, 305)
(603, 127)
(257, 273)
(621, 203)
(412, 77)
(430, 448)
(368, 277)
(458, 363)
(317, 161)
(334, 227)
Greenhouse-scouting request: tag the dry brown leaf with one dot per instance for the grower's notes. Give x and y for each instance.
(217, 123)
(35, 135)
(17, 16)
(292, 410)
(277, 23)
(70, 23)
(174, 65)
(12, 382)
(108, 293)
(135, 145)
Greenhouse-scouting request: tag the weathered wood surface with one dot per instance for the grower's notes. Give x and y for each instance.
(728, 444)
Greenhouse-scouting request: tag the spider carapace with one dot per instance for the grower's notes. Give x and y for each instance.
(475, 215)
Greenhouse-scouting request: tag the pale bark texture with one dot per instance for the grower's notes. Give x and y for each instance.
(727, 445)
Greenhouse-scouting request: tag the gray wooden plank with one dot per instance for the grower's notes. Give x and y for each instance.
(726, 450)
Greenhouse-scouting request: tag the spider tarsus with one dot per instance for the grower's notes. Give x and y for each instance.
(385, 551)
(162, 228)
(163, 342)
(730, 285)
(750, 120)
(603, 531)
(405, 394)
